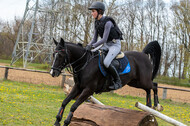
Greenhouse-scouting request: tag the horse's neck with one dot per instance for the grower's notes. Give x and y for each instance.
(76, 52)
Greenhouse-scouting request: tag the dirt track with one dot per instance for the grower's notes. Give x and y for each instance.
(38, 78)
(179, 96)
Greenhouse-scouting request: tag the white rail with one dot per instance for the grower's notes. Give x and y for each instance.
(159, 115)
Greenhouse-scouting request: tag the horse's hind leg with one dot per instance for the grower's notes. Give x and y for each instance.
(156, 101)
(148, 98)
(155, 89)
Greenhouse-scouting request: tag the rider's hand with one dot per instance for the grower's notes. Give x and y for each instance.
(93, 46)
(88, 47)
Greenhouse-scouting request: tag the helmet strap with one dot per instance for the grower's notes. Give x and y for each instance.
(98, 14)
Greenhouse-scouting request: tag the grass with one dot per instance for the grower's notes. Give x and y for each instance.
(173, 81)
(34, 105)
(5, 61)
(36, 66)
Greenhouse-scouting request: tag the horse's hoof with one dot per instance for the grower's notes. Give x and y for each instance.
(154, 107)
(158, 108)
(57, 124)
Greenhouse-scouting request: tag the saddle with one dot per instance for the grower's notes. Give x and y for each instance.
(121, 63)
(120, 55)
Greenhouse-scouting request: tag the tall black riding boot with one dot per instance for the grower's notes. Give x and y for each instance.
(117, 81)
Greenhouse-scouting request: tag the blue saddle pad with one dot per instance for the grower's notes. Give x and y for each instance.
(124, 66)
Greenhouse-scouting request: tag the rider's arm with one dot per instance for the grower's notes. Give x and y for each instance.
(95, 37)
(104, 39)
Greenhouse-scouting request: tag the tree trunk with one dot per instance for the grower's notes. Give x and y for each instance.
(99, 115)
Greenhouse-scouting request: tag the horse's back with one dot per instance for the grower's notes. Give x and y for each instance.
(141, 68)
(139, 57)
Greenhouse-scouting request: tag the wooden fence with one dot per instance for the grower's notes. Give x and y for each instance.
(38, 71)
(166, 88)
(64, 77)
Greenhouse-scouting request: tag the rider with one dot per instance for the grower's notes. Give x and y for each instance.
(111, 38)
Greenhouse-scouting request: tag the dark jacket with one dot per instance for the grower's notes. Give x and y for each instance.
(115, 32)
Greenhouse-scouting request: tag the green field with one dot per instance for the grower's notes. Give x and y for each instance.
(23, 104)
(36, 66)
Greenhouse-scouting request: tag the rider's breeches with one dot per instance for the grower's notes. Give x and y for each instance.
(113, 49)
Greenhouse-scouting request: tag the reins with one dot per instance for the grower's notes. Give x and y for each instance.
(81, 66)
(69, 65)
(88, 60)
(79, 58)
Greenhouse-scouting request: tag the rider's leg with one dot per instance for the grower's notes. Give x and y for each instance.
(112, 53)
(117, 81)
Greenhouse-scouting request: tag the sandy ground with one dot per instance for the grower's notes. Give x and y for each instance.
(30, 77)
(179, 96)
(38, 78)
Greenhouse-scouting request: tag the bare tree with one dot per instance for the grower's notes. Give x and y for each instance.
(181, 12)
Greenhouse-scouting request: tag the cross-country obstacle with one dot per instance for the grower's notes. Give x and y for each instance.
(100, 115)
(159, 115)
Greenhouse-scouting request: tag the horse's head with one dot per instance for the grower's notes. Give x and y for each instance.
(60, 58)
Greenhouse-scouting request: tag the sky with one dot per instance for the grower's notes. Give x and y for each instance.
(11, 8)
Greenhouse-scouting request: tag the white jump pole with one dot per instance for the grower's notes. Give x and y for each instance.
(159, 115)
(94, 100)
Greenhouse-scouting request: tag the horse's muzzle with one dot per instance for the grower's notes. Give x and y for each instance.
(54, 73)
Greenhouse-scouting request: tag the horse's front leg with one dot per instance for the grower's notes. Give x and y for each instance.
(74, 93)
(148, 98)
(83, 96)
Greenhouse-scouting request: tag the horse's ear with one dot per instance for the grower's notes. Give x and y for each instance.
(55, 41)
(62, 42)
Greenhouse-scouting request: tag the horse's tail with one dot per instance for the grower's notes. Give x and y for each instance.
(154, 50)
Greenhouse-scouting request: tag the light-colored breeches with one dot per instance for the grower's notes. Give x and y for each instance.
(113, 49)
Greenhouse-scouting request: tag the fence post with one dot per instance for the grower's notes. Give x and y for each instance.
(164, 93)
(6, 73)
(63, 80)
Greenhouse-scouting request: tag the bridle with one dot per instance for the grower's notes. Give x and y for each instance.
(67, 64)
(66, 60)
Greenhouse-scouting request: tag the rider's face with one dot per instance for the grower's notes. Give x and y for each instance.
(94, 13)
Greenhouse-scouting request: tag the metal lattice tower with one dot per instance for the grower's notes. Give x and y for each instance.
(38, 26)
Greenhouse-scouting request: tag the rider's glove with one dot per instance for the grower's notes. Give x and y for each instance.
(88, 47)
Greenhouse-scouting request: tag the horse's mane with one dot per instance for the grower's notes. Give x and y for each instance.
(74, 44)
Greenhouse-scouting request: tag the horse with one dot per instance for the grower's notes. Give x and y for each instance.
(89, 79)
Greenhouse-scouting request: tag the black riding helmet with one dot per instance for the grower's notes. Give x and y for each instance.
(97, 6)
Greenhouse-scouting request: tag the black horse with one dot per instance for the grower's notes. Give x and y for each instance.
(89, 79)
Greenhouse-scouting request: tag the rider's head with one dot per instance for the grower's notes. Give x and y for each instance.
(97, 8)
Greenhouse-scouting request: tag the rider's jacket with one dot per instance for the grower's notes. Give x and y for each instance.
(115, 32)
